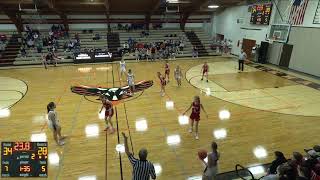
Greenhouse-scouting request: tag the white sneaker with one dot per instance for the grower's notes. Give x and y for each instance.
(190, 130)
(197, 137)
(61, 143)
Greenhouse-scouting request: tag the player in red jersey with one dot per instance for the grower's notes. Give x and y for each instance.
(205, 70)
(107, 105)
(195, 114)
(163, 83)
(167, 71)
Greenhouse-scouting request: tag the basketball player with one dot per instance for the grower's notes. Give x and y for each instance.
(195, 115)
(130, 79)
(50, 57)
(162, 83)
(205, 70)
(178, 75)
(54, 123)
(107, 105)
(167, 71)
(122, 68)
(242, 57)
(211, 170)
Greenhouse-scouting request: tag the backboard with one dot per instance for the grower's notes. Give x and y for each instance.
(279, 32)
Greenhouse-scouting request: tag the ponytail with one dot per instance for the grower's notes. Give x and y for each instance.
(214, 147)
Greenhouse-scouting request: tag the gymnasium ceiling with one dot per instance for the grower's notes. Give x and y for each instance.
(111, 6)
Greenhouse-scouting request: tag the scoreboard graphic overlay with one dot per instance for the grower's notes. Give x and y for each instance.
(261, 13)
(24, 159)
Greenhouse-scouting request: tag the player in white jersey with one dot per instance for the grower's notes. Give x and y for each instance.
(130, 79)
(122, 68)
(54, 123)
(178, 75)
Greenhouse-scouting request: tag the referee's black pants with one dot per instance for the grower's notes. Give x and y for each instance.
(241, 63)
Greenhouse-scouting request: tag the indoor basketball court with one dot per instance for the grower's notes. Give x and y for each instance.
(272, 105)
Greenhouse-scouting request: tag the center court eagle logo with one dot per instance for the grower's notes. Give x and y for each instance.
(112, 94)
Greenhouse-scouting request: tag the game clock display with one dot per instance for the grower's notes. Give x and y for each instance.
(24, 159)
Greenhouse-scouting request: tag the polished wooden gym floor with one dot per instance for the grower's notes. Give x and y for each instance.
(246, 132)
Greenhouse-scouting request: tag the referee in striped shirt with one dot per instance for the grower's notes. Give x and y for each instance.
(142, 169)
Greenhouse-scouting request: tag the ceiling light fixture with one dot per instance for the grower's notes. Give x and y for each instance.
(213, 6)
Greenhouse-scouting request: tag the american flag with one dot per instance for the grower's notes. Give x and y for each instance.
(298, 9)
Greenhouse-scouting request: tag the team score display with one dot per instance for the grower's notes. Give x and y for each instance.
(24, 159)
(43, 151)
(21, 146)
(7, 151)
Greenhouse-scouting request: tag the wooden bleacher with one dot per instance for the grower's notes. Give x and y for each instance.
(33, 57)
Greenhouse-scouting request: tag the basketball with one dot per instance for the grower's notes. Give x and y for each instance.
(202, 154)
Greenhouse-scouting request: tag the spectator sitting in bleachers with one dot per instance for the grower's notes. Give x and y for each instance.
(168, 48)
(308, 170)
(30, 43)
(52, 49)
(57, 31)
(140, 45)
(96, 37)
(280, 159)
(119, 26)
(314, 152)
(65, 46)
(71, 45)
(56, 43)
(39, 46)
(161, 53)
(23, 51)
(173, 52)
(27, 29)
(299, 168)
(3, 38)
(181, 46)
(2, 48)
(170, 35)
(144, 34)
(157, 26)
(126, 46)
(77, 37)
(285, 171)
(195, 53)
(35, 36)
(130, 41)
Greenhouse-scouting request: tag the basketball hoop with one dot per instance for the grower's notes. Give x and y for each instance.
(279, 32)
